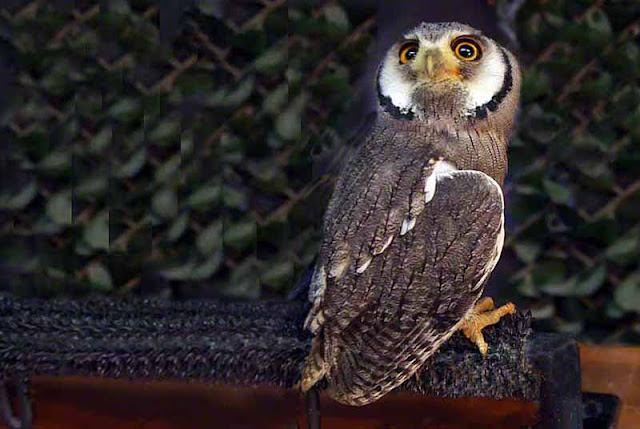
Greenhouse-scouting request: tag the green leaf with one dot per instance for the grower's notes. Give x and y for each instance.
(101, 140)
(99, 277)
(559, 194)
(132, 166)
(178, 227)
(213, 8)
(56, 161)
(169, 169)
(209, 267)
(535, 83)
(205, 196)
(571, 328)
(241, 235)
(623, 248)
(272, 60)
(56, 273)
(232, 98)
(126, 109)
(165, 203)
(598, 23)
(592, 281)
(59, 208)
(539, 125)
(210, 238)
(119, 6)
(276, 99)
(181, 272)
(234, 198)
(168, 129)
(527, 251)
(337, 17)
(613, 311)
(278, 275)
(288, 124)
(21, 199)
(627, 294)
(244, 281)
(46, 226)
(545, 311)
(527, 288)
(93, 186)
(96, 233)
(560, 288)
(551, 278)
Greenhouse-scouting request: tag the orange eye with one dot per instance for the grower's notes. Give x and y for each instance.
(466, 49)
(408, 52)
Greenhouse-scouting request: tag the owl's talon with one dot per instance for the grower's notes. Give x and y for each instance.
(483, 315)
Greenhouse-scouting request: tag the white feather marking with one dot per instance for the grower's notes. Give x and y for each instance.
(441, 168)
(386, 244)
(318, 283)
(315, 324)
(488, 81)
(444, 167)
(429, 188)
(396, 87)
(337, 270)
(407, 225)
(364, 266)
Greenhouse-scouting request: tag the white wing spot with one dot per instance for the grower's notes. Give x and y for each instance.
(315, 324)
(407, 225)
(337, 270)
(386, 244)
(441, 168)
(429, 188)
(364, 266)
(318, 283)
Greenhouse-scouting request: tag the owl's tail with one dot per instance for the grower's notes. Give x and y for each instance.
(369, 372)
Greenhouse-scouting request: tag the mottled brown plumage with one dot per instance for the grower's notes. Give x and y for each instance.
(415, 223)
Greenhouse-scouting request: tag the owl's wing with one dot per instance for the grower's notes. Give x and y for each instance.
(379, 324)
(379, 196)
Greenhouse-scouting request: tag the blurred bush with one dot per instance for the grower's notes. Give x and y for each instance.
(130, 161)
(574, 195)
(184, 169)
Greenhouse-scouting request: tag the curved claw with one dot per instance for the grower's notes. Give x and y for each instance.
(483, 315)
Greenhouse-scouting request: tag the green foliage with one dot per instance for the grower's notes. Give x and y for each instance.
(574, 194)
(192, 161)
(189, 161)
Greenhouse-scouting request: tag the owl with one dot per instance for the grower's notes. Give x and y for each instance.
(415, 224)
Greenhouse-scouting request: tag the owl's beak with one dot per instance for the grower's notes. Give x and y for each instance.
(429, 65)
(436, 67)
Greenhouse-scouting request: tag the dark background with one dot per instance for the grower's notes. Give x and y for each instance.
(181, 149)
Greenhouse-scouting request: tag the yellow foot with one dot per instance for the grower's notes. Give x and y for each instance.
(483, 315)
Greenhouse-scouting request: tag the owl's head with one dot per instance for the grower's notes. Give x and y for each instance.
(448, 70)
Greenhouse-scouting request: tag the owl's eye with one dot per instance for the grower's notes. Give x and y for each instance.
(466, 49)
(408, 52)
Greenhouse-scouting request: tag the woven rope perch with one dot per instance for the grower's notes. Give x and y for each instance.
(244, 343)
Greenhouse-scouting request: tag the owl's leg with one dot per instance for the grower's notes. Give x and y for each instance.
(314, 368)
(484, 314)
